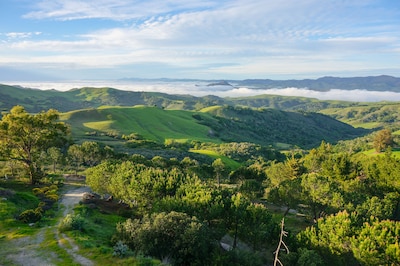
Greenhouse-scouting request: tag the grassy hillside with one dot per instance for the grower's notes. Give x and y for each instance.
(212, 124)
(288, 103)
(271, 126)
(262, 119)
(371, 115)
(151, 123)
(38, 100)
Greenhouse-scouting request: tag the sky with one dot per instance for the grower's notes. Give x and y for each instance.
(191, 39)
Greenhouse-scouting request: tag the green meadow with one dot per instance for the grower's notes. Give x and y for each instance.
(151, 123)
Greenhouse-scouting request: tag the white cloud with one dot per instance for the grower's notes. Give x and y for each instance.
(21, 35)
(251, 38)
(110, 9)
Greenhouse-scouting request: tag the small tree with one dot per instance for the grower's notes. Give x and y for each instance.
(54, 155)
(382, 140)
(219, 168)
(175, 235)
(75, 156)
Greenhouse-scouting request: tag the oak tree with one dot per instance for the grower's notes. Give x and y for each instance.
(24, 137)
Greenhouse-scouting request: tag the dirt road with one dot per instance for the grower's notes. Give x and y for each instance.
(28, 251)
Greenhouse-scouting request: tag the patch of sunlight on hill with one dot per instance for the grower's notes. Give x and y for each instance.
(372, 152)
(369, 125)
(210, 109)
(232, 164)
(182, 141)
(396, 132)
(99, 125)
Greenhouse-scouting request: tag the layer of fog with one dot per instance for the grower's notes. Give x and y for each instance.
(201, 88)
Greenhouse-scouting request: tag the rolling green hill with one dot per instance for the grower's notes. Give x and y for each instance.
(212, 124)
(371, 115)
(264, 119)
(37, 100)
(271, 126)
(151, 123)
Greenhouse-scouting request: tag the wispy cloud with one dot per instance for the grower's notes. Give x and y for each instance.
(251, 38)
(21, 35)
(110, 9)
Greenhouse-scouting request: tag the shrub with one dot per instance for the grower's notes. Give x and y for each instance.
(31, 216)
(72, 222)
(120, 249)
(52, 197)
(176, 235)
(38, 191)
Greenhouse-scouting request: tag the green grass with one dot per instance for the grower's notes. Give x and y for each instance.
(95, 238)
(370, 125)
(372, 152)
(151, 123)
(232, 164)
(11, 206)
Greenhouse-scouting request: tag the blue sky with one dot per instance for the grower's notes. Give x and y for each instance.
(210, 39)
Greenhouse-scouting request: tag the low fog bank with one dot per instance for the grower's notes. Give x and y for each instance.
(202, 88)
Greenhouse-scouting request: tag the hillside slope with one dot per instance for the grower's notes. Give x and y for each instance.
(271, 126)
(38, 100)
(217, 124)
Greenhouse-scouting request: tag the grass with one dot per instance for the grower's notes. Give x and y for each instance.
(151, 123)
(16, 198)
(232, 164)
(372, 152)
(370, 125)
(95, 238)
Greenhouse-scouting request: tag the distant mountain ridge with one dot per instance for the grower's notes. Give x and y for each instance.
(371, 83)
(35, 100)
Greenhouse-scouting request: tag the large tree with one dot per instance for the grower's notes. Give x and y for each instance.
(24, 136)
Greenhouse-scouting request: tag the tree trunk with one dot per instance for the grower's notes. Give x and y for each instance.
(286, 212)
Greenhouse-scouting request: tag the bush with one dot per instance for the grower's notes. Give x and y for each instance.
(120, 249)
(72, 222)
(176, 235)
(31, 216)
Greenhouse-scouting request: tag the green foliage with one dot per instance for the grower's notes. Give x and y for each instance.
(31, 216)
(238, 257)
(382, 140)
(386, 208)
(172, 235)
(72, 222)
(309, 258)
(320, 194)
(331, 237)
(258, 229)
(120, 249)
(378, 243)
(368, 115)
(24, 137)
(266, 126)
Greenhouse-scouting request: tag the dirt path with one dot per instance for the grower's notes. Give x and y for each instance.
(69, 200)
(27, 251)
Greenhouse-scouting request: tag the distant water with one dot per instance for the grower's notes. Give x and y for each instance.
(202, 88)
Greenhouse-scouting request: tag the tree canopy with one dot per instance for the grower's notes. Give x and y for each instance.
(24, 136)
